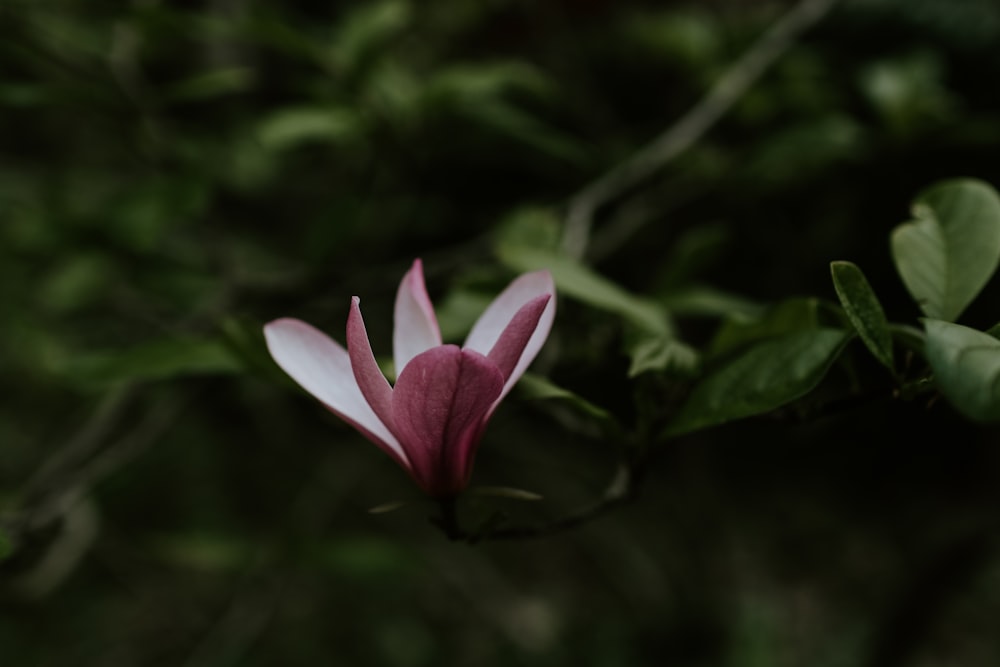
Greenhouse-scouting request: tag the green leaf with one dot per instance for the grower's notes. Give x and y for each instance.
(786, 317)
(155, 360)
(459, 310)
(661, 353)
(213, 83)
(6, 546)
(966, 365)
(863, 310)
(203, 552)
(765, 377)
(290, 127)
(366, 31)
(575, 280)
(951, 249)
(704, 301)
(538, 388)
(508, 492)
(909, 337)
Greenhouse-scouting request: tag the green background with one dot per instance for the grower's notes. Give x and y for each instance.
(175, 174)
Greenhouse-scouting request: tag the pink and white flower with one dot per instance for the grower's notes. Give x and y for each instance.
(431, 421)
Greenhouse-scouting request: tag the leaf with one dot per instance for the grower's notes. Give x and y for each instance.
(765, 377)
(575, 280)
(287, 128)
(786, 317)
(661, 353)
(508, 492)
(951, 249)
(536, 387)
(366, 31)
(211, 84)
(459, 310)
(704, 301)
(158, 359)
(966, 365)
(6, 546)
(863, 310)
(491, 95)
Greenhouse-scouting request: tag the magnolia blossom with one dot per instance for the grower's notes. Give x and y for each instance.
(431, 421)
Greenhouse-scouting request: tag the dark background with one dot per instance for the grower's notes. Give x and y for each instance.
(175, 174)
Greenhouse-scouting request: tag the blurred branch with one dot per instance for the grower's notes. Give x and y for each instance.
(54, 524)
(619, 490)
(683, 134)
(241, 623)
(72, 471)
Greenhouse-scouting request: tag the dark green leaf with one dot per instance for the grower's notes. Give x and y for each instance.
(536, 387)
(154, 360)
(782, 318)
(863, 310)
(367, 30)
(661, 353)
(709, 302)
(207, 85)
(505, 492)
(765, 377)
(966, 365)
(292, 126)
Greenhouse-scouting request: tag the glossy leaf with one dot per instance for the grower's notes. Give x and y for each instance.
(966, 365)
(952, 247)
(863, 310)
(765, 377)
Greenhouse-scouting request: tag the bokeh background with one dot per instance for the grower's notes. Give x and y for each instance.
(175, 174)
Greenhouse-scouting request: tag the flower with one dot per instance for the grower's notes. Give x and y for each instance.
(431, 421)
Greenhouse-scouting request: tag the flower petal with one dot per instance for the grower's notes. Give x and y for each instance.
(416, 329)
(374, 387)
(492, 323)
(322, 367)
(439, 406)
(507, 351)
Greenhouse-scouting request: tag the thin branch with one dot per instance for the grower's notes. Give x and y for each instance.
(84, 444)
(88, 458)
(730, 87)
(619, 491)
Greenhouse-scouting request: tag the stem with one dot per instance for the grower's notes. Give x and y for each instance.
(730, 87)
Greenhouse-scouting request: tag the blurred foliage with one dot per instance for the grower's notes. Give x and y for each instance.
(173, 175)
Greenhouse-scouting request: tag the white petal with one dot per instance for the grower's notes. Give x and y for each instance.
(322, 367)
(498, 315)
(415, 327)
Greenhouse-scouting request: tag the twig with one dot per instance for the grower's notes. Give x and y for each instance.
(83, 445)
(619, 490)
(730, 87)
(67, 478)
(240, 625)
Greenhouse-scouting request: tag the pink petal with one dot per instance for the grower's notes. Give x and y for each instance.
(440, 405)
(492, 323)
(416, 329)
(374, 387)
(323, 368)
(507, 351)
